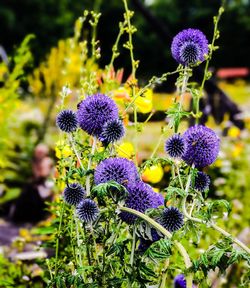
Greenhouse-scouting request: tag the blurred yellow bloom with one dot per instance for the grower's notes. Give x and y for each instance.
(121, 94)
(237, 150)
(218, 163)
(153, 174)
(126, 150)
(62, 150)
(234, 132)
(145, 103)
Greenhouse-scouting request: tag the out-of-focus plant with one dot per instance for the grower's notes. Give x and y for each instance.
(10, 78)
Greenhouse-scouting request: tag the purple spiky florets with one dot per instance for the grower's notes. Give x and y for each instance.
(175, 146)
(112, 131)
(171, 219)
(94, 111)
(180, 281)
(189, 46)
(66, 121)
(201, 181)
(140, 197)
(87, 210)
(73, 194)
(202, 144)
(121, 170)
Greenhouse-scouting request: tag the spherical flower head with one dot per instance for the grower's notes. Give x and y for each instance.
(112, 131)
(201, 181)
(171, 219)
(121, 170)
(94, 111)
(87, 211)
(73, 194)
(66, 121)
(175, 146)
(140, 197)
(189, 47)
(180, 281)
(202, 146)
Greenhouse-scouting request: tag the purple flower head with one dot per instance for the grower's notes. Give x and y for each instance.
(66, 121)
(87, 210)
(73, 194)
(189, 46)
(171, 219)
(140, 197)
(201, 181)
(112, 131)
(94, 111)
(202, 144)
(121, 170)
(180, 281)
(175, 146)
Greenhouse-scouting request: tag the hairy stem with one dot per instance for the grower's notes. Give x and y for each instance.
(58, 236)
(72, 142)
(133, 247)
(89, 165)
(209, 223)
(166, 233)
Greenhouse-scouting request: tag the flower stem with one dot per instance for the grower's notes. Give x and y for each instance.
(133, 247)
(209, 223)
(166, 233)
(58, 236)
(183, 87)
(89, 165)
(164, 274)
(71, 140)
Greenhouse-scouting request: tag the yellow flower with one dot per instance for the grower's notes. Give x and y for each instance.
(121, 95)
(145, 103)
(234, 132)
(62, 150)
(218, 163)
(126, 150)
(237, 150)
(153, 174)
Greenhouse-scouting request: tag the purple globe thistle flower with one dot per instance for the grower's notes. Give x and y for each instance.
(180, 281)
(189, 46)
(202, 146)
(112, 131)
(94, 111)
(140, 197)
(87, 210)
(158, 199)
(73, 194)
(201, 181)
(121, 170)
(66, 121)
(175, 146)
(171, 219)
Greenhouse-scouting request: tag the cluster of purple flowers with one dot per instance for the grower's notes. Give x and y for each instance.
(97, 115)
(86, 209)
(198, 146)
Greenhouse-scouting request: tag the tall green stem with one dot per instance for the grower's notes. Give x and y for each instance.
(89, 166)
(133, 247)
(209, 223)
(58, 237)
(166, 233)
